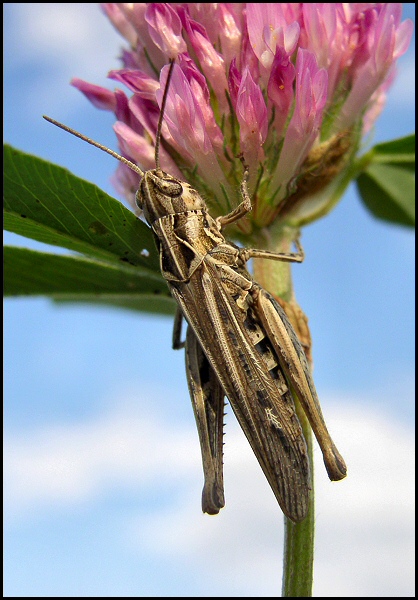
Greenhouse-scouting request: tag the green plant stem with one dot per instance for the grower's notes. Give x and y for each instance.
(275, 276)
(298, 555)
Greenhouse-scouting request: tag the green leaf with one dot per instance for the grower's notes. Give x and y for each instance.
(47, 203)
(79, 279)
(387, 181)
(400, 151)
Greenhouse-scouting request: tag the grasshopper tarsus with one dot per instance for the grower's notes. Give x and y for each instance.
(335, 464)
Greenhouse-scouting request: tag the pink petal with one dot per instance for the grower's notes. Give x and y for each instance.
(165, 29)
(99, 96)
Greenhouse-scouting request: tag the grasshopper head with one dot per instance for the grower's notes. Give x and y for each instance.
(160, 195)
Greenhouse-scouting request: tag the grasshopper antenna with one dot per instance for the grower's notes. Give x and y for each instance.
(160, 120)
(122, 159)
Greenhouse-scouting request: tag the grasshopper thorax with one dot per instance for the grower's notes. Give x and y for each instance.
(161, 194)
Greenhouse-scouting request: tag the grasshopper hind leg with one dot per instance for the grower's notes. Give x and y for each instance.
(207, 396)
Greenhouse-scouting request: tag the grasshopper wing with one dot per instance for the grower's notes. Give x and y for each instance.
(240, 353)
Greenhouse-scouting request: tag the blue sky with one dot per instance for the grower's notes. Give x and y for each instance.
(102, 460)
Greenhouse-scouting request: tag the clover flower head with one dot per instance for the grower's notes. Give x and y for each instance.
(290, 87)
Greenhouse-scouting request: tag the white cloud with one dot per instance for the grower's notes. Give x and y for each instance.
(364, 545)
(364, 524)
(65, 464)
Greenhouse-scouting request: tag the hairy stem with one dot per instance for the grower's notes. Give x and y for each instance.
(298, 555)
(275, 276)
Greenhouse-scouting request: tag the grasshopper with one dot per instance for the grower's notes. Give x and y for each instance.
(239, 341)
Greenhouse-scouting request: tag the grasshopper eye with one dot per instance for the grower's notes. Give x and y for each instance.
(169, 187)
